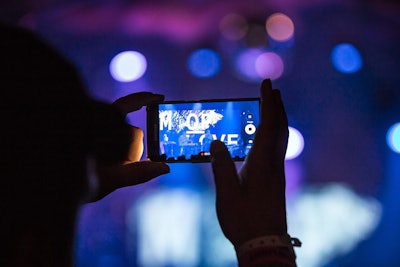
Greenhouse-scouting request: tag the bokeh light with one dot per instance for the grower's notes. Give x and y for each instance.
(295, 144)
(245, 64)
(346, 58)
(269, 65)
(280, 27)
(325, 211)
(204, 63)
(256, 36)
(168, 222)
(233, 26)
(128, 66)
(393, 137)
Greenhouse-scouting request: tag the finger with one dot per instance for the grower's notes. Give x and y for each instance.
(225, 175)
(265, 90)
(136, 145)
(264, 137)
(140, 172)
(283, 133)
(136, 101)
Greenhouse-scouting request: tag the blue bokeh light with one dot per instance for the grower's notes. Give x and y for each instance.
(204, 63)
(128, 66)
(393, 137)
(346, 58)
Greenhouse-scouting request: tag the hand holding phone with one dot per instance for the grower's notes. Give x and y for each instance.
(262, 175)
(132, 171)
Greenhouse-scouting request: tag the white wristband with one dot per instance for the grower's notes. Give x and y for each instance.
(269, 241)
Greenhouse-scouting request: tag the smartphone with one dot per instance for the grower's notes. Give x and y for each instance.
(182, 131)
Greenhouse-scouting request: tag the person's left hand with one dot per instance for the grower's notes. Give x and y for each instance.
(110, 177)
(252, 203)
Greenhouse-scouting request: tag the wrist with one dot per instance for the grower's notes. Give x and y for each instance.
(268, 250)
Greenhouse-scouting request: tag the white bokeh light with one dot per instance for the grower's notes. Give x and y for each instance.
(168, 223)
(295, 144)
(331, 220)
(128, 66)
(393, 137)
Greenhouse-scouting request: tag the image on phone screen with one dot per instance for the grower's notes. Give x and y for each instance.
(183, 131)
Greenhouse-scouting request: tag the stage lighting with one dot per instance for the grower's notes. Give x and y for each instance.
(204, 63)
(393, 137)
(346, 58)
(338, 214)
(280, 27)
(245, 64)
(233, 27)
(128, 66)
(295, 144)
(168, 226)
(269, 65)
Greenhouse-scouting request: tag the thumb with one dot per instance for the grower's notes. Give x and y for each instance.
(114, 176)
(224, 169)
(140, 172)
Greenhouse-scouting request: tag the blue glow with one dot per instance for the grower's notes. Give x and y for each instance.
(204, 63)
(128, 66)
(110, 260)
(346, 58)
(295, 144)
(393, 137)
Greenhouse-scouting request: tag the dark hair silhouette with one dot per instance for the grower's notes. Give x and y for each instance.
(48, 128)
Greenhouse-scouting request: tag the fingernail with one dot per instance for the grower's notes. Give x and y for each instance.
(218, 150)
(267, 83)
(216, 147)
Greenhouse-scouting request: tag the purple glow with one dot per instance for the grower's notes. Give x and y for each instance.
(245, 64)
(269, 65)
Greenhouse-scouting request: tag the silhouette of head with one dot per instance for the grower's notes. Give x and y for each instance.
(48, 129)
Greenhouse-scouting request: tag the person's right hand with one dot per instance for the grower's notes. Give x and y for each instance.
(132, 171)
(251, 203)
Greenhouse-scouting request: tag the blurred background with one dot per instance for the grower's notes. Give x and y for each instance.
(337, 64)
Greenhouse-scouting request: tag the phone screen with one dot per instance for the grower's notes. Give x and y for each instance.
(183, 131)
